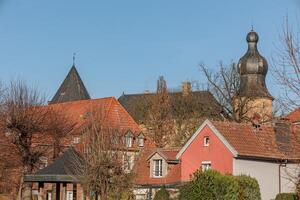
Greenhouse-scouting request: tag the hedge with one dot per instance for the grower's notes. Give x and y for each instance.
(286, 196)
(211, 185)
(162, 194)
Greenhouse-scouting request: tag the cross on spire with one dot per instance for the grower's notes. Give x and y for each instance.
(74, 54)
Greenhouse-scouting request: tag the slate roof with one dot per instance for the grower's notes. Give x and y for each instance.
(202, 103)
(142, 168)
(61, 170)
(72, 89)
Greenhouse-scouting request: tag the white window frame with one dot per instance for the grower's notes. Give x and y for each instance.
(157, 168)
(44, 162)
(128, 140)
(205, 165)
(128, 162)
(206, 141)
(76, 140)
(141, 140)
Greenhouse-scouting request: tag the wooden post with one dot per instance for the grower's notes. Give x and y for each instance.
(74, 191)
(64, 191)
(41, 191)
(57, 191)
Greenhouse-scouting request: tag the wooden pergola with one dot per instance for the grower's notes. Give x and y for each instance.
(61, 172)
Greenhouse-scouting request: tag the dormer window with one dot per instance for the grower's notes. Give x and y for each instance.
(128, 139)
(206, 141)
(157, 168)
(141, 140)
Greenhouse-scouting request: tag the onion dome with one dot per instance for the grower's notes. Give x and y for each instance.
(253, 69)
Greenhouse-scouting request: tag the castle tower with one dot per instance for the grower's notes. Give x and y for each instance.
(253, 69)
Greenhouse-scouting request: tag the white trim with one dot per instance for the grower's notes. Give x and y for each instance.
(215, 131)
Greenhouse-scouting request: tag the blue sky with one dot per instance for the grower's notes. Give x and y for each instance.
(125, 45)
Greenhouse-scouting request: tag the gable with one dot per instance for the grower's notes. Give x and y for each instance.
(199, 132)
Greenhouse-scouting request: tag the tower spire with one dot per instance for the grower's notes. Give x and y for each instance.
(72, 88)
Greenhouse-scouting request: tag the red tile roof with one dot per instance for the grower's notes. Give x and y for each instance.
(293, 116)
(268, 141)
(142, 168)
(114, 113)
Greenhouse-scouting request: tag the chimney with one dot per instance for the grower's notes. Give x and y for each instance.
(186, 88)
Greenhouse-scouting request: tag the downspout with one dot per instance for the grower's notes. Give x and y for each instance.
(282, 164)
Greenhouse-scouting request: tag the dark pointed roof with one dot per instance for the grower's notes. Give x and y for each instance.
(72, 89)
(63, 169)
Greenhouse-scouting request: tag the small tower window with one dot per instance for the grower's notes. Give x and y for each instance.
(206, 141)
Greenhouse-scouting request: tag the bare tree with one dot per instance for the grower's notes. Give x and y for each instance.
(224, 85)
(286, 66)
(21, 118)
(160, 124)
(101, 169)
(60, 126)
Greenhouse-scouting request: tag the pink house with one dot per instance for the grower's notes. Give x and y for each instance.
(270, 153)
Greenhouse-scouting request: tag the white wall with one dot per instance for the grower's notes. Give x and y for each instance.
(267, 175)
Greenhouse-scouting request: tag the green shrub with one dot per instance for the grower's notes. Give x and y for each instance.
(286, 196)
(248, 188)
(211, 185)
(162, 194)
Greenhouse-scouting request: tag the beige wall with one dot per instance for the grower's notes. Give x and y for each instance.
(267, 175)
(261, 106)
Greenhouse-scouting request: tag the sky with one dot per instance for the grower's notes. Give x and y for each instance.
(124, 46)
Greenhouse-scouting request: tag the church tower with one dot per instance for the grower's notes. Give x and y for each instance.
(71, 89)
(253, 69)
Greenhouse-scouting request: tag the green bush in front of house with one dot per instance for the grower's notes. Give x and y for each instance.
(248, 188)
(211, 185)
(286, 196)
(162, 194)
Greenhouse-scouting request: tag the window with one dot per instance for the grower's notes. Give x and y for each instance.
(157, 168)
(43, 162)
(76, 140)
(206, 141)
(141, 140)
(205, 165)
(128, 163)
(128, 139)
(69, 195)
